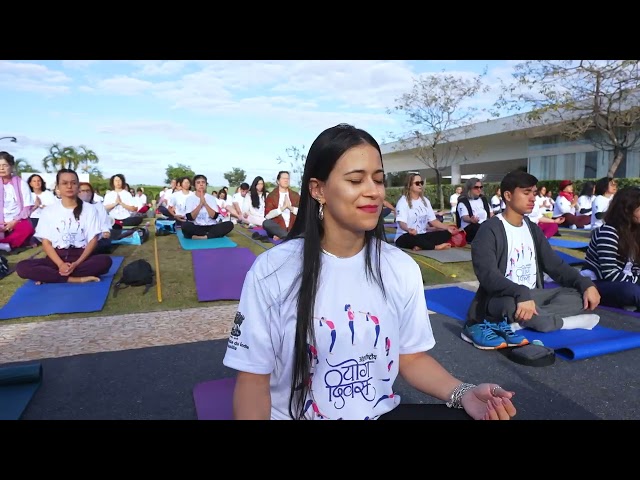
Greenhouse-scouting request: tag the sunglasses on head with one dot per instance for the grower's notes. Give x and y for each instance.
(419, 183)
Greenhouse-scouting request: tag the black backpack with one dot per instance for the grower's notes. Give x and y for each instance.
(136, 274)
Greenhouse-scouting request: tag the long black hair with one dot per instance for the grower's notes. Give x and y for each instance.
(620, 215)
(255, 197)
(323, 155)
(78, 210)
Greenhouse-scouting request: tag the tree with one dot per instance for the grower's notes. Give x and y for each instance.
(438, 112)
(296, 161)
(395, 179)
(23, 166)
(68, 157)
(179, 171)
(235, 177)
(595, 100)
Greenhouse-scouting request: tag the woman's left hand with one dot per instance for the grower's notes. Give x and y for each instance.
(489, 401)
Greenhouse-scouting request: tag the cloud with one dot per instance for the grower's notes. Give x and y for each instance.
(78, 64)
(152, 68)
(32, 77)
(165, 129)
(120, 85)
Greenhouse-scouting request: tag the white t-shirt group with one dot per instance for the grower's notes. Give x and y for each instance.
(359, 334)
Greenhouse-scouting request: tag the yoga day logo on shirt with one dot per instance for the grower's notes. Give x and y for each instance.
(237, 321)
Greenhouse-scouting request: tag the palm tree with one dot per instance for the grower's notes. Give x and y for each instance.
(87, 157)
(23, 166)
(57, 158)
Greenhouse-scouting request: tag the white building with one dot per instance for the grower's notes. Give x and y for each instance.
(495, 147)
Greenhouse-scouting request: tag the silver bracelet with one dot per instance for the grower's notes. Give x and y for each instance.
(458, 392)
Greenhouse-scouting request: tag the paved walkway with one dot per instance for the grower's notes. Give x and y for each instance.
(62, 338)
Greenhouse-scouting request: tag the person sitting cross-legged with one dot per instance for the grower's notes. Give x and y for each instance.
(203, 219)
(510, 256)
(69, 231)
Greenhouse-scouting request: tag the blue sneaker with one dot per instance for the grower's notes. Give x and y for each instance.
(483, 336)
(512, 338)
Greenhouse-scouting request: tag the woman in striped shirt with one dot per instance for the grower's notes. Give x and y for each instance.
(613, 255)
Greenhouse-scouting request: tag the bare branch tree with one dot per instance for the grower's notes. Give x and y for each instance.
(297, 159)
(438, 110)
(592, 99)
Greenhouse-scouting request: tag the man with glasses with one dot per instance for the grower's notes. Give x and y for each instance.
(473, 208)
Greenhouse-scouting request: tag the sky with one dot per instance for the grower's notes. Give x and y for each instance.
(212, 115)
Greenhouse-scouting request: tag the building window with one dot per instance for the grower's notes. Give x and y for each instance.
(591, 165)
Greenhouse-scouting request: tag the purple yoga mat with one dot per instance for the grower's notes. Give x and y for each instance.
(262, 231)
(220, 272)
(214, 399)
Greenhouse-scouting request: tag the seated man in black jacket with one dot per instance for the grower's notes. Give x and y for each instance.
(510, 256)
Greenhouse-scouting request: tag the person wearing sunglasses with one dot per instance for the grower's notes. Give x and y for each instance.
(418, 227)
(473, 208)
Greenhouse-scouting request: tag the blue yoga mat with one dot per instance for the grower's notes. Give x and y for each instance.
(18, 385)
(190, 244)
(570, 259)
(575, 344)
(31, 300)
(558, 242)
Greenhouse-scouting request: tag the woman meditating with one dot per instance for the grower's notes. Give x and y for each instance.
(329, 318)
(120, 204)
(16, 205)
(418, 228)
(203, 219)
(41, 197)
(613, 255)
(258, 197)
(69, 231)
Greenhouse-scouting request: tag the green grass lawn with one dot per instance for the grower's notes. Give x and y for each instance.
(178, 285)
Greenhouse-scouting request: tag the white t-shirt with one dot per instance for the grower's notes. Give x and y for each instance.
(600, 205)
(584, 203)
(353, 373)
(58, 225)
(453, 200)
(178, 201)
(418, 216)
(141, 200)
(203, 217)
(258, 212)
(562, 206)
(105, 221)
(521, 266)
(543, 203)
(11, 205)
(46, 198)
(477, 207)
(535, 214)
(242, 201)
(119, 212)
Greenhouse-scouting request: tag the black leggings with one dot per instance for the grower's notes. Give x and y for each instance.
(189, 229)
(425, 241)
